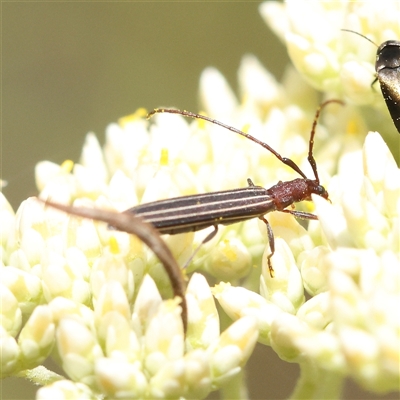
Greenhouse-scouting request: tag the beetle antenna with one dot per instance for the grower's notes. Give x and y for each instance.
(359, 34)
(310, 157)
(287, 161)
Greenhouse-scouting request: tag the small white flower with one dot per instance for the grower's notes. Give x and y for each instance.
(78, 349)
(190, 374)
(10, 355)
(239, 302)
(11, 315)
(65, 390)
(120, 378)
(56, 180)
(144, 354)
(331, 60)
(233, 348)
(36, 339)
(203, 320)
(285, 289)
(228, 260)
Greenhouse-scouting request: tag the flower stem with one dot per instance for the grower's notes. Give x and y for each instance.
(316, 383)
(235, 389)
(40, 375)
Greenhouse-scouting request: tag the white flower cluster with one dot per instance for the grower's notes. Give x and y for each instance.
(351, 324)
(66, 294)
(92, 298)
(334, 61)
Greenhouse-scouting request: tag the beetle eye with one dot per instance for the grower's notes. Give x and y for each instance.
(320, 191)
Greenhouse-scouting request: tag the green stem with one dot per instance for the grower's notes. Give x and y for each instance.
(40, 376)
(235, 389)
(316, 383)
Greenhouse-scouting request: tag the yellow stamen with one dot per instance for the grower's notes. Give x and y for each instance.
(114, 247)
(228, 251)
(201, 122)
(164, 157)
(355, 126)
(67, 166)
(246, 128)
(138, 114)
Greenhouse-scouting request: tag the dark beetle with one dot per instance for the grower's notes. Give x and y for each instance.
(387, 68)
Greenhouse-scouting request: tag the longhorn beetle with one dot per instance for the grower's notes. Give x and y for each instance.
(196, 212)
(387, 67)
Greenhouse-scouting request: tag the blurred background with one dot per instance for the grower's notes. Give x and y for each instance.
(69, 68)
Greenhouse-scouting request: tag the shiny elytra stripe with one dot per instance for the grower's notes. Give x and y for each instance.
(193, 213)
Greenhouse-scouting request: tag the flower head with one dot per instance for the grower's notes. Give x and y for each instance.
(99, 302)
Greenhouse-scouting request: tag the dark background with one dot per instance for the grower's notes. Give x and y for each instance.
(70, 68)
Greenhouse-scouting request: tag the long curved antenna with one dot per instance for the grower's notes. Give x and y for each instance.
(359, 34)
(190, 114)
(287, 161)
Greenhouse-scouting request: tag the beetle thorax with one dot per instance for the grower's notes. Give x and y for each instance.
(287, 193)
